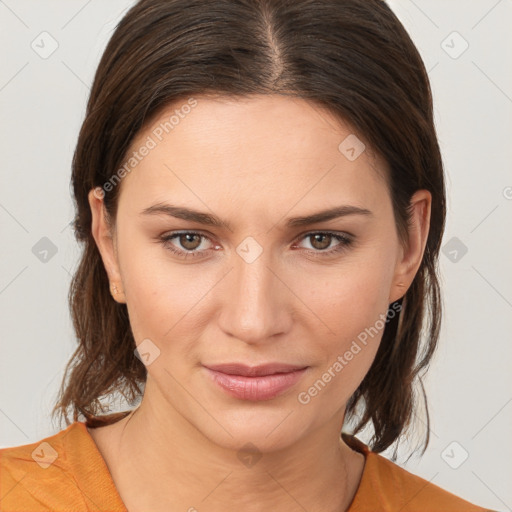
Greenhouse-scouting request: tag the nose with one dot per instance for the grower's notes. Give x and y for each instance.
(257, 305)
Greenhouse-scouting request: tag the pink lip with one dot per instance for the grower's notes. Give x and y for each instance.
(255, 382)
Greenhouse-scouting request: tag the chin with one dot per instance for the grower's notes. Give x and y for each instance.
(267, 428)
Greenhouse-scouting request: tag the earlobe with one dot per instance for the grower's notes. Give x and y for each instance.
(103, 237)
(412, 255)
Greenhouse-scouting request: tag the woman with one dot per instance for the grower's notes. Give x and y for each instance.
(260, 195)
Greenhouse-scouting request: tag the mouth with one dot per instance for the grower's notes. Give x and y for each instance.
(255, 383)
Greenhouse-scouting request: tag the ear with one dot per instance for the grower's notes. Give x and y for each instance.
(411, 256)
(105, 241)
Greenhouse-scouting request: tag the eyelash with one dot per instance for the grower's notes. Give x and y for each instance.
(345, 242)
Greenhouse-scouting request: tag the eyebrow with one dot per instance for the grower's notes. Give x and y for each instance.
(207, 219)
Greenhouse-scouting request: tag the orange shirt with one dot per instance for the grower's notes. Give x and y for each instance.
(66, 472)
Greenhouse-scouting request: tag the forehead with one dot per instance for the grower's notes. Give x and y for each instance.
(256, 147)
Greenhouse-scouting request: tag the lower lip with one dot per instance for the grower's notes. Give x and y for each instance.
(264, 387)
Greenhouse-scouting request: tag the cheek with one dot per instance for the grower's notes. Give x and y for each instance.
(351, 311)
(349, 299)
(160, 293)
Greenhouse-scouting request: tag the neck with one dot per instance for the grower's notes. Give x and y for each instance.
(160, 461)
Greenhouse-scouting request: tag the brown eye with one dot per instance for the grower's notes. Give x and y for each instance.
(189, 241)
(186, 244)
(321, 241)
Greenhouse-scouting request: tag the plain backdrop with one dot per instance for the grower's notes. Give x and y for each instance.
(467, 48)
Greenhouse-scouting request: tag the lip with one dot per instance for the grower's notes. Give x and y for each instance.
(255, 383)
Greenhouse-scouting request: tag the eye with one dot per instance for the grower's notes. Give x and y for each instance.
(188, 243)
(321, 241)
(188, 240)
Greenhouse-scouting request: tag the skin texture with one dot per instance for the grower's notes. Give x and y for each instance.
(253, 163)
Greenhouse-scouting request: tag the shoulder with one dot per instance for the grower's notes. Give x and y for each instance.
(30, 474)
(385, 486)
(55, 473)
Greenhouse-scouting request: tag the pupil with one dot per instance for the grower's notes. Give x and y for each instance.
(318, 238)
(189, 240)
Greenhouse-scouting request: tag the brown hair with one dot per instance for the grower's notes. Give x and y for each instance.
(353, 57)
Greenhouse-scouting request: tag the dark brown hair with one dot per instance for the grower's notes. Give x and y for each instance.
(352, 57)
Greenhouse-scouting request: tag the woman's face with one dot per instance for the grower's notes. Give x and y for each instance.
(250, 281)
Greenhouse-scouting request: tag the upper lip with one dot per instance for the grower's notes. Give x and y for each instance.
(254, 371)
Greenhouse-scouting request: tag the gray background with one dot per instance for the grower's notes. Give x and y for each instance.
(42, 102)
